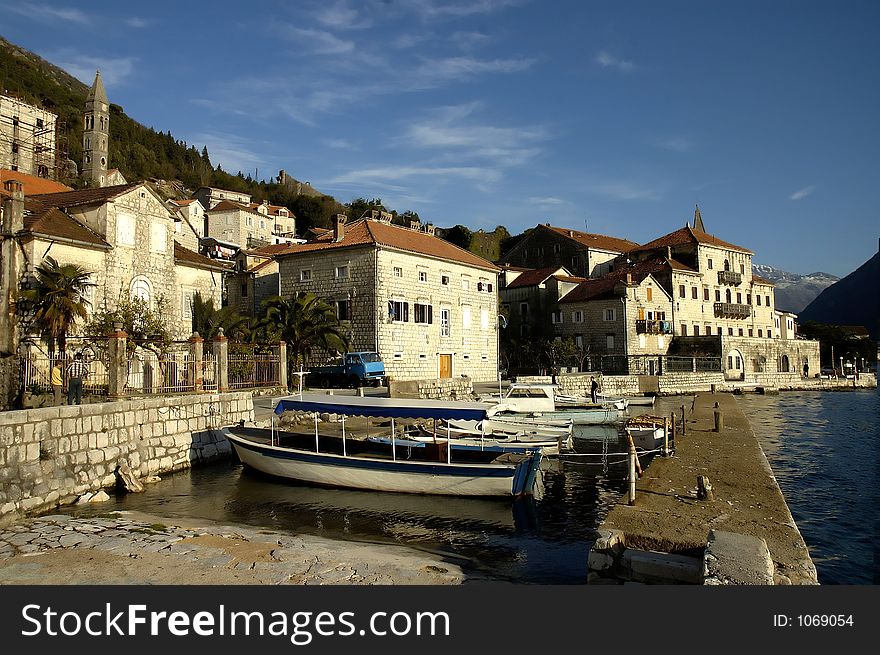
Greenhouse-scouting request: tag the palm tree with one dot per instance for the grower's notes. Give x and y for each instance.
(305, 323)
(58, 300)
(207, 319)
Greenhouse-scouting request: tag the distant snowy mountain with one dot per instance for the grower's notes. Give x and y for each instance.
(793, 291)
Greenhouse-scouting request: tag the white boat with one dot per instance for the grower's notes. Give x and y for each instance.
(565, 400)
(471, 441)
(537, 403)
(361, 464)
(646, 431)
(642, 401)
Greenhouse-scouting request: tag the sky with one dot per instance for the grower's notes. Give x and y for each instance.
(614, 117)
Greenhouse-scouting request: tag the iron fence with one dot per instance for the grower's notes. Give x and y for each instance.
(36, 371)
(253, 367)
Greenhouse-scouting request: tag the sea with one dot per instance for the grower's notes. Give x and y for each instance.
(822, 447)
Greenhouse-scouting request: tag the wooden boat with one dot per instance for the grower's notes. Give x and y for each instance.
(536, 403)
(360, 464)
(646, 431)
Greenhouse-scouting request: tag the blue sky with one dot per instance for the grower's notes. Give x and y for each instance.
(617, 116)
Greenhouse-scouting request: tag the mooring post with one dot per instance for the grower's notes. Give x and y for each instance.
(683, 426)
(704, 488)
(719, 419)
(672, 425)
(665, 437)
(632, 474)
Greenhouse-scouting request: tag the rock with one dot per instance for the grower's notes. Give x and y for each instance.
(151, 479)
(100, 497)
(127, 478)
(86, 497)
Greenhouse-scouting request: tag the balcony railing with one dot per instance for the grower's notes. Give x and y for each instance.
(729, 277)
(653, 327)
(732, 310)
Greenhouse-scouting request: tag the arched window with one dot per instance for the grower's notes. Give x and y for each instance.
(726, 265)
(141, 288)
(727, 295)
(784, 365)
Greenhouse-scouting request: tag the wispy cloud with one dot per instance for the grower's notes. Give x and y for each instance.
(432, 9)
(47, 13)
(393, 175)
(800, 194)
(675, 143)
(469, 40)
(340, 144)
(548, 203)
(434, 71)
(138, 22)
(318, 42)
(341, 16)
(617, 190)
(606, 60)
(232, 152)
(114, 70)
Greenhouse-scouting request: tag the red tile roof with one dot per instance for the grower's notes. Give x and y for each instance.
(604, 286)
(368, 232)
(597, 241)
(757, 279)
(688, 235)
(184, 203)
(98, 195)
(31, 184)
(51, 222)
(228, 205)
(532, 277)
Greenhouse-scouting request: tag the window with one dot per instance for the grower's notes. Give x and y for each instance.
(575, 262)
(262, 224)
(342, 272)
(727, 296)
(748, 299)
(540, 251)
(609, 341)
(466, 317)
(740, 332)
(730, 331)
(556, 317)
(484, 318)
(742, 269)
(444, 280)
(710, 264)
(556, 248)
(524, 310)
(579, 340)
(684, 330)
(681, 291)
(398, 310)
(423, 276)
(694, 293)
(244, 290)
(705, 293)
(760, 332)
(343, 310)
(398, 271)
(578, 316)
(717, 295)
(141, 289)
(720, 331)
(305, 275)
(249, 221)
(768, 301)
(649, 293)
(186, 302)
(444, 322)
(158, 237)
(758, 299)
(751, 332)
(609, 314)
(696, 330)
(739, 297)
(769, 333)
(465, 284)
(423, 313)
(125, 229)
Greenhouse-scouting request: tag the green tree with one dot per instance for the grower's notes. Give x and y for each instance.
(58, 300)
(207, 320)
(144, 326)
(305, 323)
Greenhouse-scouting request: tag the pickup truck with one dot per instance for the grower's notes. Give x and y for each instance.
(349, 370)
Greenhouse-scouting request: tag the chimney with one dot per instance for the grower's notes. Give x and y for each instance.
(339, 227)
(266, 202)
(629, 279)
(668, 252)
(429, 228)
(571, 233)
(13, 208)
(414, 225)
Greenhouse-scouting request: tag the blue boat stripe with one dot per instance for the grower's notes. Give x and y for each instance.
(390, 465)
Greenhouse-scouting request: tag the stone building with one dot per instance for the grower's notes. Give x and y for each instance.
(211, 196)
(429, 308)
(124, 235)
(581, 253)
(253, 279)
(251, 225)
(529, 296)
(189, 219)
(27, 138)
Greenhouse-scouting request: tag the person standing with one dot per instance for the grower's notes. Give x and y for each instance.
(594, 390)
(806, 369)
(57, 381)
(77, 372)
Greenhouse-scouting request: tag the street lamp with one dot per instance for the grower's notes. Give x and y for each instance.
(841, 368)
(502, 323)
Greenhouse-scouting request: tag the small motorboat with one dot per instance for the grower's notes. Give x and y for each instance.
(642, 401)
(647, 431)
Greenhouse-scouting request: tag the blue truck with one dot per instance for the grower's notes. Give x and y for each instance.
(349, 370)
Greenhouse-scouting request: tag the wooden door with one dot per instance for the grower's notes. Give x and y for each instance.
(445, 366)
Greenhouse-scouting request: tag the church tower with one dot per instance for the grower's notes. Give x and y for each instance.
(96, 135)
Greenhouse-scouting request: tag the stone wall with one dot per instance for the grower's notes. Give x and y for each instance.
(51, 456)
(8, 381)
(436, 389)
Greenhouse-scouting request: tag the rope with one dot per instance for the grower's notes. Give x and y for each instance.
(639, 453)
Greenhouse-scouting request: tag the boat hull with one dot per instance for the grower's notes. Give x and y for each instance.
(376, 474)
(583, 417)
(646, 437)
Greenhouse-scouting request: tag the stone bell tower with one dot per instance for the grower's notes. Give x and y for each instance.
(96, 135)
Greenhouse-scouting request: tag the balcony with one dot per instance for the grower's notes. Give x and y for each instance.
(732, 310)
(729, 277)
(653, 327)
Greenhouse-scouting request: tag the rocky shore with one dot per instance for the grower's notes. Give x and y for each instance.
(129, 548)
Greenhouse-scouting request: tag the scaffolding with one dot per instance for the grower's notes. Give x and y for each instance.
(28, 138)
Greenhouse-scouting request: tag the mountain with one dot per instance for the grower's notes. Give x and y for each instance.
(794, 291)
(854, 300)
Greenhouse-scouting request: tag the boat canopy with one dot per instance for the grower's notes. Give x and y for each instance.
(383, 407)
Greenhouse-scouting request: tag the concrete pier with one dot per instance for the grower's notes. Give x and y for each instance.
(754, 538)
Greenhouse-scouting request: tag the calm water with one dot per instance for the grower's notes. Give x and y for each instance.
(820, 446)
(823, 448)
